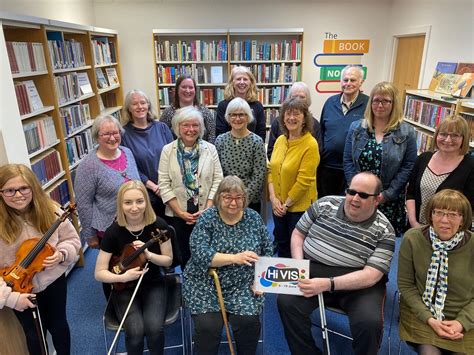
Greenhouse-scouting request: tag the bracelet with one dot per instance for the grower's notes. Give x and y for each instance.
(331, 279)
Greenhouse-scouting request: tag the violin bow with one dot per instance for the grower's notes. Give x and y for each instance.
(39, 327)
(126, 312)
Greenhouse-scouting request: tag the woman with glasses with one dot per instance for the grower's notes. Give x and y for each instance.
(229, 237)
(27, 212)
(242, 84)
(241, 152)
(145, 137)
(449, 167)
(186, 94)
(386, 146)
(292, 171)
(436, 278)
(99, 177)
(188, 175)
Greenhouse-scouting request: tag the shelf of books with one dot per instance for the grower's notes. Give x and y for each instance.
(203, 54)
(53, 68)
(425, 109)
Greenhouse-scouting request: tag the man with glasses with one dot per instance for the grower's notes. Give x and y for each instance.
(338, 113)
(350, 244)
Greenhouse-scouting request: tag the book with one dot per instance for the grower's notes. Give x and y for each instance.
(465, 68)
(441, 68)
(446, 83)
(33, 96)
(84, 83)
(101, 80)
(216, 74)
(112, 76)
(463, 85)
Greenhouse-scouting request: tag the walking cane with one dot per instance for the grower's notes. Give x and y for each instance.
(212, 272)
(324, 325)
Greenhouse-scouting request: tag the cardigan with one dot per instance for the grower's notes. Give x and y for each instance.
(461, 178)
(293, 171)
(96, 186)
(170, 179)
(459, 303)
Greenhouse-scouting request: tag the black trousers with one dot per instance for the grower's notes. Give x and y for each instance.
(52, 305)
(330, 181)
(183, 232)
(208, 332)
(364, 308)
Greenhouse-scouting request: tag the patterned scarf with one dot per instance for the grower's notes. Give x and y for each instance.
(437, 276)
(188, 161)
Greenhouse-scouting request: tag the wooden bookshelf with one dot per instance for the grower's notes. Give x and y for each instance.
(273, 55)
(62, 126)
(425, 109)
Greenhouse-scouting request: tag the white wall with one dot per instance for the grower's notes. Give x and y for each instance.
(452, 28)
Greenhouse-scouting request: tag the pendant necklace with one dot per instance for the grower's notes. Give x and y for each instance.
(137, 235)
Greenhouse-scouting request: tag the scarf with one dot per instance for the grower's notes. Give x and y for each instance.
(437, 276)
(188, 161)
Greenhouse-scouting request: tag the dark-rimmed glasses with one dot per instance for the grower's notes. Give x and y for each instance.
(24, 190)
(454, 136)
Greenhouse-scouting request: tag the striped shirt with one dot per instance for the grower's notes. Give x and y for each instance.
(332, 239)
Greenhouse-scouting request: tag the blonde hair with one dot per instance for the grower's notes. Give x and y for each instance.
(42, 208)
(251, 95)
(149, 215)
(455, 124)
(396, 116)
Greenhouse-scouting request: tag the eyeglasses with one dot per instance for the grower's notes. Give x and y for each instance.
(189, 125)
(229, 198)
(454, 136)
(362, 195)
(237, 115)
(452, 216)
(384, 102)
(24, 190)
(110, 134)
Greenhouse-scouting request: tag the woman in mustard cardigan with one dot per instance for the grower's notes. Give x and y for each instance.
(292, 172)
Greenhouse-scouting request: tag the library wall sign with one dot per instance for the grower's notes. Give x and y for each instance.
(337, 53)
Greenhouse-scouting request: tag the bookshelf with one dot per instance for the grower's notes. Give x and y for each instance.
(425, 109)
(273, 55)
(51, 95)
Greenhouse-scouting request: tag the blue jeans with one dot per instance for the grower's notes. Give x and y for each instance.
(145, 318)
(283, 228)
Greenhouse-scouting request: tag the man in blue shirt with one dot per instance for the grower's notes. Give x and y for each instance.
(338, 113)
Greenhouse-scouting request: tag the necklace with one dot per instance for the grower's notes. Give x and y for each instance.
(136, 235)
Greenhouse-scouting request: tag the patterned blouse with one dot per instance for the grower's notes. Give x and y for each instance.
(244, 157)
(212, 235)
(429, 184)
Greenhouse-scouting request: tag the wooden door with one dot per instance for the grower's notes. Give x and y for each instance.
(408, 62)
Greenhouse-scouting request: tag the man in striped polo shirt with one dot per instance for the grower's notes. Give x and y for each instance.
(350, 244)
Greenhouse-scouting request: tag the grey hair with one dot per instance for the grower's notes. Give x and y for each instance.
(231, 183)
(185, 114)
(237, 104)
(300, 86)
(99, 120)
(127, 116)
(351, 66)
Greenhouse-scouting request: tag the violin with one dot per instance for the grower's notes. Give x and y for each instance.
(131, 257)
(30, 256)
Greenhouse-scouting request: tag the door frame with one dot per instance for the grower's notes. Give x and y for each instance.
(410, 32)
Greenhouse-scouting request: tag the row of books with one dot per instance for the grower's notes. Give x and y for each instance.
(272, 96)
(67, 87)
(276, 73)
(40, 133)
(74, 117)
(201, 74)
(252, 50)
(25, 57)
(111, 80)
(60, 193)
(47, 167)
(78, 146)
(66, 54)
(27, 97)
(198, 50)
(211, 96)
(469, 116)
(104, 51)
(424, 112)
(271, 114)
(424, 141)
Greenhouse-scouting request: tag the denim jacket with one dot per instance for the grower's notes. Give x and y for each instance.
(399, 153)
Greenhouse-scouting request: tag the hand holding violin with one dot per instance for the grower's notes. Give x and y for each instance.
(53, 260)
